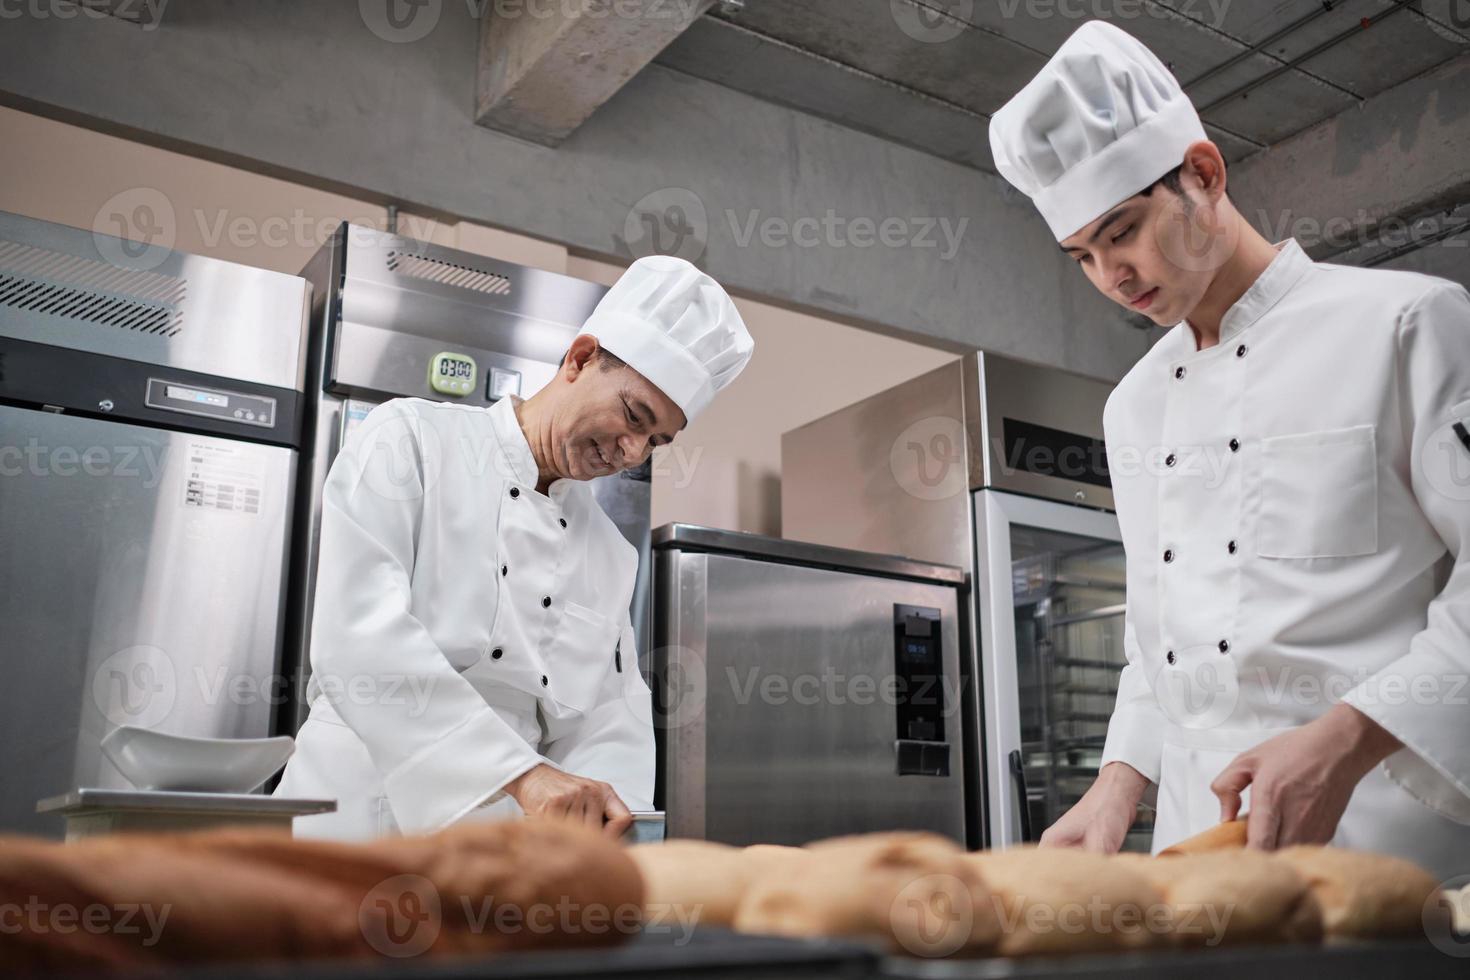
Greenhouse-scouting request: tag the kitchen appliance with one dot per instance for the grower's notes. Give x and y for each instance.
(995, 465)
(804, 692)
(392, 317)
(149, 433)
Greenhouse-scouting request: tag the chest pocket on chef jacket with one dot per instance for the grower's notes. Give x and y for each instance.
(1319, 494)
(580, 656)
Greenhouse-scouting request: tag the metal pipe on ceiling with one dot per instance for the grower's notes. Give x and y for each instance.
(1330, 43)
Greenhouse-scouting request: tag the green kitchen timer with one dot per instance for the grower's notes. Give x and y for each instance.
(452, 374)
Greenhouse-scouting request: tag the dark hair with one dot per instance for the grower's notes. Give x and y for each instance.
(605, 359)
(1172, 180)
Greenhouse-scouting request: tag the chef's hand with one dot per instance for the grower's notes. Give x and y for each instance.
(1100, 820)
(548, 792)
(1301, 781)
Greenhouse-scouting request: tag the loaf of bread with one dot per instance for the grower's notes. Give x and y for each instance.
(701, 881)
(1227, 836)
(1230, 897)
(1368, 896)
(251, 895)
(138, 903)
(911, 892)
(1061, 901)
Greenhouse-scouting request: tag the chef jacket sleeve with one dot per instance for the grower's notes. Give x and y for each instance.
(1136, 724)
(1423, 697)
(613, 742)
(441, 750)
(1137, 720)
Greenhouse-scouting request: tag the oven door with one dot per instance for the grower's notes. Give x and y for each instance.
(1050, 595)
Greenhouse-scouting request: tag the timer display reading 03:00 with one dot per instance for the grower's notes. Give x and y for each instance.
(455, 369)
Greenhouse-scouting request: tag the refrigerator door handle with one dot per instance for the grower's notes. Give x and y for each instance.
(1018, 773)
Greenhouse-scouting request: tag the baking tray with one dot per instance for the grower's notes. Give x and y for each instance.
(707, 952)
(1415, 959)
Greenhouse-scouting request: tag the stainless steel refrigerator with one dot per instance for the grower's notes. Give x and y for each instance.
(998, 466)
(804, 692)
(393, 317)
(149, 433)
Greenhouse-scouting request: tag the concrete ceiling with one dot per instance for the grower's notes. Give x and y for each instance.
(928, 73)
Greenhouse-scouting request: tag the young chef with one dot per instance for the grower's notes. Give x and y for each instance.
(1290, 484)
(472, 652)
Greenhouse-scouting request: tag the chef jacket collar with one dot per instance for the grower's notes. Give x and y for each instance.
(1284, 272)
(518, 462)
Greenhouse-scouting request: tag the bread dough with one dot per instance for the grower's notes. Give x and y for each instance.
(695, 881)
(1368, 896)
(1062, 901)
(1231, 897)
(913, 893)
(235, 895)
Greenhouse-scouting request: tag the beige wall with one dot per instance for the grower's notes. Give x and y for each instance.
(724, 471)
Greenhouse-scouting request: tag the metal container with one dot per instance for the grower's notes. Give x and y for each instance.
(997, 466)
(149, 435)
(804, 692)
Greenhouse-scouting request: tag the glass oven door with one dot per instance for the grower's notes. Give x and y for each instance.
(1050, 589)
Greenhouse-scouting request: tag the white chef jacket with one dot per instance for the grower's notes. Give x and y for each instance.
(1295, 507)
(466, 628)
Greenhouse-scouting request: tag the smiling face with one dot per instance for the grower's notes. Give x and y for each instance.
(1157, 252)
(606, 416)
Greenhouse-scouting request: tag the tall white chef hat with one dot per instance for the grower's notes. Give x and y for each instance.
(675, 326)
(1102, 121)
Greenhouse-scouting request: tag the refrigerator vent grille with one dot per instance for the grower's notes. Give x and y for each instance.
(36, 280)
(448, 273)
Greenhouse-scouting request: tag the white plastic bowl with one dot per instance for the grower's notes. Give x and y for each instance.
(156, 760)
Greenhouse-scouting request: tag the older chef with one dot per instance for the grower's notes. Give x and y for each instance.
(1292, 483)
(472, 652)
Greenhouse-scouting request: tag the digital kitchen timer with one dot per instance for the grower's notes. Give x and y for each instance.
(452, 374)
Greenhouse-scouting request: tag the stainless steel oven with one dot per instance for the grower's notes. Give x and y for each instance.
(998, 466)
(149, 432)
(804, 692)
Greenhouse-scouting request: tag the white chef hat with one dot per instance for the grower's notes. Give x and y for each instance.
(1101, 122)
(675, 326)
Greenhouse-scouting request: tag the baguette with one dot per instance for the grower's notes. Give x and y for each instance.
(1368, 896)
(1231, 898)
(1062, 901)
(909, 892)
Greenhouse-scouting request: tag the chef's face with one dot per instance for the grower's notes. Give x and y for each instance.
(609, 416)
(1157, 252)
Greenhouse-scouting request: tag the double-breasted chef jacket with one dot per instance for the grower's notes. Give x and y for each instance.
(1295, 507)
(466, 629)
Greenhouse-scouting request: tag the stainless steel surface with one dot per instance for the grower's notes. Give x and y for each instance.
(775, 686)
(998, 389)
(88, 291)
(383, 306)
(925, 470)
(92, 798)
(647, 828)
(142, 567)
(886, 475)
(123, 604)
(693, 538)
(889, 473)
(402, 301)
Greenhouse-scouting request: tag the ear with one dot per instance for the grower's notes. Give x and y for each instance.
(578, 356)
(1204, 164)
